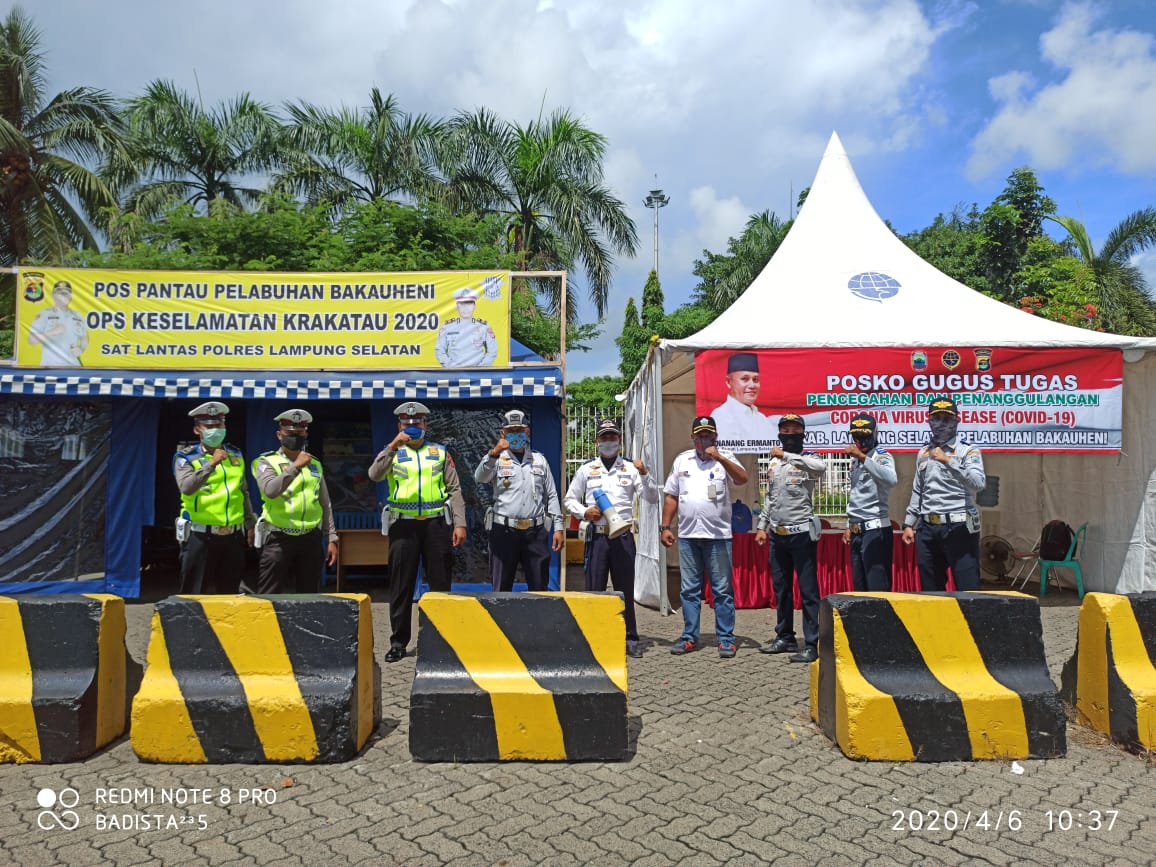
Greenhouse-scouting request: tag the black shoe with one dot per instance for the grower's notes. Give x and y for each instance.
(394, 654)
(807, 654)
(780, 645)
(633, 650)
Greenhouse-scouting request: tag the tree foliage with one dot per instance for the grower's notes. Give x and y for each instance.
(181, 152)
(725, 276)
(48, 147)
(544, 180)
(336, 157)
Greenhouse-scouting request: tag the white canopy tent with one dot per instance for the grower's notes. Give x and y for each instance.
(801, 300)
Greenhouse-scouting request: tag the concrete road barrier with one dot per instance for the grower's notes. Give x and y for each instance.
(62, 676)
(508, 676)
(256, 679)
(936, 677)
(1111, 678)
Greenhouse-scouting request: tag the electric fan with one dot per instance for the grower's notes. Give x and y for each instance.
(996, 556)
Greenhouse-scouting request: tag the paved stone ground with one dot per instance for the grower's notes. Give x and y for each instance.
(727, 768)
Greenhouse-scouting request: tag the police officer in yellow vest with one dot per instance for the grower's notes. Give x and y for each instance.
(424, 498)
(297, 516)
(215, 513)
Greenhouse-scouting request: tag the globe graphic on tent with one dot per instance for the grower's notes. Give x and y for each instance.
(873, 286)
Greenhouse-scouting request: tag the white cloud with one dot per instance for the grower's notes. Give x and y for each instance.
(1101, 110)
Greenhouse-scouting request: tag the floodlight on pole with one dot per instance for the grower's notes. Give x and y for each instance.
(655, 200)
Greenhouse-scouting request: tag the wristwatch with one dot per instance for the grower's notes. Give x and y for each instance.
(662, 528)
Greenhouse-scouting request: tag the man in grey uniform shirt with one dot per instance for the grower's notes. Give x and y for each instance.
(525, 503)
(948, 474)
(789, 518)
(868, 524)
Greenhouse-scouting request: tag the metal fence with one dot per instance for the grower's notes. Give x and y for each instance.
(830, 497)
(581, 428)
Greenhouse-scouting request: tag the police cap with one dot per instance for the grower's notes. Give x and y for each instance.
(516, 418)
(466, 295)
(863, 423)
(608, 426)
(410, 409)
(790, 416)
(212, 410)
(942, 404)
(294, 417)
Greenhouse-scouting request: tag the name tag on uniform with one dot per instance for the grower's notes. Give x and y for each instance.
(402, 456)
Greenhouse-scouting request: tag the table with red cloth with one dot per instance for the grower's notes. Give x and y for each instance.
(752, 570)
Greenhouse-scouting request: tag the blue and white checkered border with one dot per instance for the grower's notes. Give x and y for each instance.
(312, 388)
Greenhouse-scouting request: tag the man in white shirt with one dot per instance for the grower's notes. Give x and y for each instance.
(620, 480)
(698, 488)
(740, 424)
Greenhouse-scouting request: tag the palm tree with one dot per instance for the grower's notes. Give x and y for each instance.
(185, 153)
(372, 153)
(44, 145)
(545, 180)
(725, 277)
(1126, 304)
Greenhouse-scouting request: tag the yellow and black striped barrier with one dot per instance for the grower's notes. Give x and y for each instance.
(256, 679)
(936, 677)
(1111, 678)
(519, 676)
(62, 676)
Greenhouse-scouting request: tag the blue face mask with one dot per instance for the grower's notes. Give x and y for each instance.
(414, 432)
(518, 440)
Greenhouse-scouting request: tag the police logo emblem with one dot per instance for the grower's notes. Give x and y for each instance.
(33, 286)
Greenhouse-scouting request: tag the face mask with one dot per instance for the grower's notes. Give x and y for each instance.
(942, 430)
(213, 437)
(865, 443)
(701, 444)
(414, 432)
(792, 443)
(608, 449)
(294, 442)
(518, 440)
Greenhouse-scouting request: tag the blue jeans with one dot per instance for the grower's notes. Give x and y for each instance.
(697, 557)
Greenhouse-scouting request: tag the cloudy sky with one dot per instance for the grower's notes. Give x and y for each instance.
(730, 104)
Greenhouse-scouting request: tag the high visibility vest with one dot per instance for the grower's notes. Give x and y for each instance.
(299, 507)
(417, 482)
(220, 501)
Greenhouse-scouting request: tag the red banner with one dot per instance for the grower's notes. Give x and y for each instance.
(1009, 399)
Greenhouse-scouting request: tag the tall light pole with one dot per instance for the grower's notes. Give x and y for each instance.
(657, 199)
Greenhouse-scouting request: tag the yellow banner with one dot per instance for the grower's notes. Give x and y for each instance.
(200, 320)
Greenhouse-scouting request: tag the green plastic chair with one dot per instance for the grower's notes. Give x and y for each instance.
(1069, 562)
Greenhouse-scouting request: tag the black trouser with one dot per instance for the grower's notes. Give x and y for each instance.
(793, 554)
(942, 546)
(509, 547)
(871, 559)
(412, 542)
(614, 558)
(212, 563)
(291, 564)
